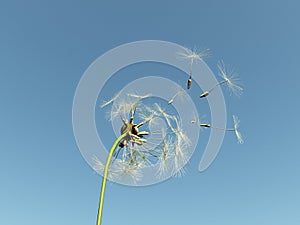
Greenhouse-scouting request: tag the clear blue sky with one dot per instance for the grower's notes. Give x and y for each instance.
(45, 46)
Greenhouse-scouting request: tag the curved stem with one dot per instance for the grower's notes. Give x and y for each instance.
(111, 151)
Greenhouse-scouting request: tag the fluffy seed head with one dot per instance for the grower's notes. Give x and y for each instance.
(231, 79)
(165, 147)
(193, 54)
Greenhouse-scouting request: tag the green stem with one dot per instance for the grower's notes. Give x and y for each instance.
(111, 151)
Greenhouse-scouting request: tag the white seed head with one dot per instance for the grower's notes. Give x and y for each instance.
(193, 54)
(231, 79)
(165, 147)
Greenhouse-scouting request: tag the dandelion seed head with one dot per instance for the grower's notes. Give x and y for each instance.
(231, 79)
(194, 54)
(162, 142)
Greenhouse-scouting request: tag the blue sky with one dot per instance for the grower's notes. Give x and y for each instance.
(45, 47)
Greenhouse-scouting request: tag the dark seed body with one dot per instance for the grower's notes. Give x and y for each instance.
(189, 83)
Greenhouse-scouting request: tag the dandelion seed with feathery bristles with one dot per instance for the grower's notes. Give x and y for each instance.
(235, 128)
(193, 55)
(229, 77)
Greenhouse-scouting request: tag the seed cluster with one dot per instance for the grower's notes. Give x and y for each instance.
(167, 146)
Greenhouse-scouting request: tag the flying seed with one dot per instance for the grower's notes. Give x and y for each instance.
(229, 78)
(193, 56)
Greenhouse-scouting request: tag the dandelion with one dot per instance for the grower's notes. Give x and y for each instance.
(151, 136)
(139, 152)
(132, 131)
(193, 55)
(130, 134)
(229, 77)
